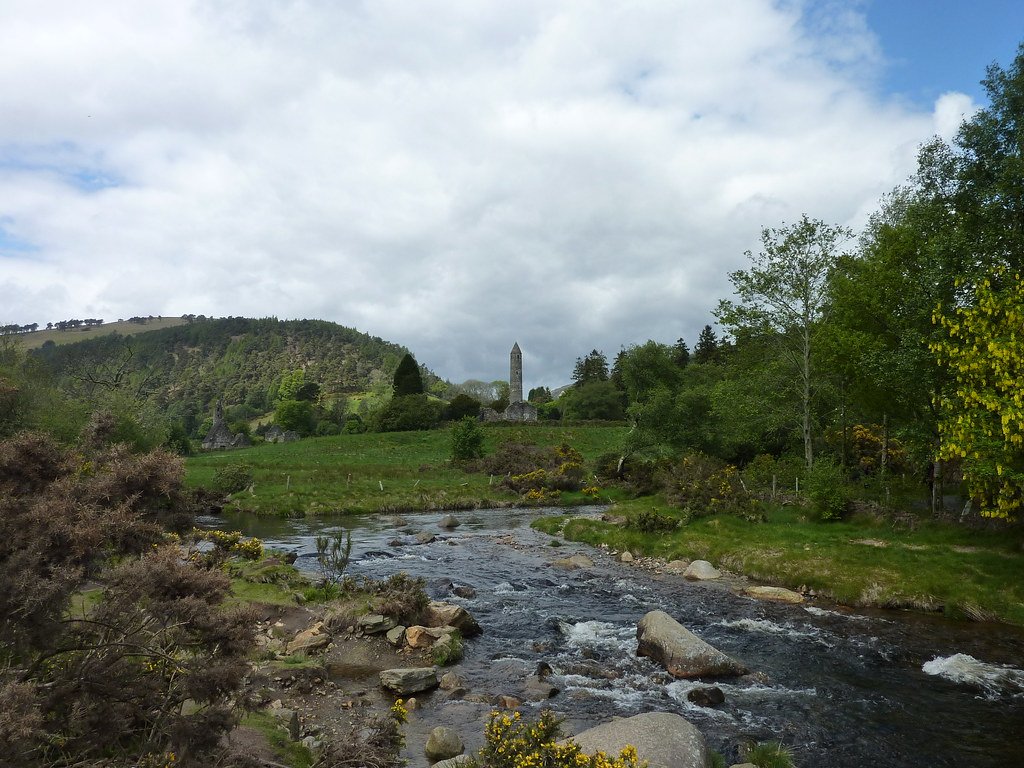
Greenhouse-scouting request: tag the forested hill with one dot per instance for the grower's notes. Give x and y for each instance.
(186, 369)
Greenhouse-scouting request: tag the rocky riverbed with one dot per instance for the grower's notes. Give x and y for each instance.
(841, 688)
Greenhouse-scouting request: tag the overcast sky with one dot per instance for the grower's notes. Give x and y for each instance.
(455, 176)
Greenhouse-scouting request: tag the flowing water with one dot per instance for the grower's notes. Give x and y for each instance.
(840, 688)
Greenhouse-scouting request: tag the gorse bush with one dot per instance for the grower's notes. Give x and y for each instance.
(537, 473)
(511, 742)
(232, 478)
(652, 521)
(702, 485)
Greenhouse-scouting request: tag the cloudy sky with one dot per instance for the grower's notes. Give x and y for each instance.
(455, 175)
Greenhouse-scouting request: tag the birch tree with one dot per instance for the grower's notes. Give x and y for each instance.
(785, 291)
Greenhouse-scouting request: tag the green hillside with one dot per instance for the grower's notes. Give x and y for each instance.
(185, 369)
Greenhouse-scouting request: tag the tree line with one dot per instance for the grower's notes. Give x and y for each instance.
(905, 344)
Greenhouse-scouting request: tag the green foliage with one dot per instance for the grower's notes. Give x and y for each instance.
(447, 650)
(332, 557)
(652, 521)
(785, 291)
(590, 369)
(467, 440)
(706, 350)
(232, 478)
(295, 415)
(461, 406)
(409, 412)
(407, 379)
(828, 490)
(594, 400)
(539, 395)
(768, 754)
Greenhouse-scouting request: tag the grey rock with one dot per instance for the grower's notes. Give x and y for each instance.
(409, 680)
(425, 538)
(450, 681)
(538, 689)
(450, 521)
(290, 719)
(701, 570)
(677, 566)
(454, 762)
(443, 744)
(375, 623)
(463, 590)
(681, 652)
(626, 557)
(663, 739)
(396, 636)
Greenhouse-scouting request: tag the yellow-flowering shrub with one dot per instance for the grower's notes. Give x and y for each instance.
(982, 414)
(511, 742)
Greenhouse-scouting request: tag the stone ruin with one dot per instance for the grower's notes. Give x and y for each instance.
(220, 437)
(518, 409)
(277, 435)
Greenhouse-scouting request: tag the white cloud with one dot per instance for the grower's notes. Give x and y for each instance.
(449, 175)
(951, 110)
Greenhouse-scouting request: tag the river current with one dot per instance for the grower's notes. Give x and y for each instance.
(840, 688)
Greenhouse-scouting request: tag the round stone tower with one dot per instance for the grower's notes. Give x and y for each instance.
(515, 378)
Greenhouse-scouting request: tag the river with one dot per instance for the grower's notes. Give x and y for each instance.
(841, 688)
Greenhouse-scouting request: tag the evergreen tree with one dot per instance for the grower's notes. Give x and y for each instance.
(407, 379)
(590, 369)
(706, 350)
(681, 353)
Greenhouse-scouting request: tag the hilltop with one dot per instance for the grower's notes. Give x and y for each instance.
(183, 366)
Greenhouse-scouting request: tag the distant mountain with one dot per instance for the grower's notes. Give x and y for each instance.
(185, 369)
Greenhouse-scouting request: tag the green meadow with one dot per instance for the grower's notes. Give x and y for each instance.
(384, 472)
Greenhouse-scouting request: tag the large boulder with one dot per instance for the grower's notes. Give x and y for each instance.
(573, 562)
(663, 739)
(409, 680)
(417, 636)
(777, 594)
(701, 570)
(440, 614)
(681, 652)
(443, 744)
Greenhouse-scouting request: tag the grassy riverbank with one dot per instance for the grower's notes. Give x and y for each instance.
(384, 472)
(861, 562)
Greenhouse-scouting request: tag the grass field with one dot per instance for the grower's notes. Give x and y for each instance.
(862, 562)
(389, 472)
(36, 339)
